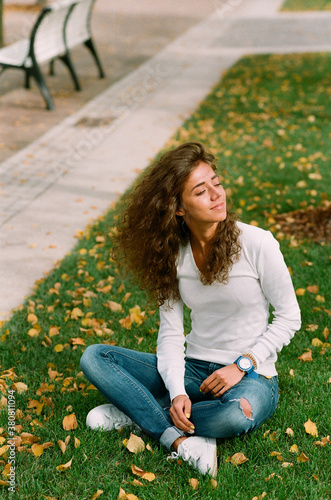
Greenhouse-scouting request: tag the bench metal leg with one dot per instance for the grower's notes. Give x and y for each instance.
(36, 73)
(67, 61)
(90, 45)
(27, 79)
(51, 68)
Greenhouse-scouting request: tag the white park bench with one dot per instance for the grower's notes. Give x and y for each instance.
(50, 40)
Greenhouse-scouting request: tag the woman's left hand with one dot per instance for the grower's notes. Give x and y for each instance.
(221, 380)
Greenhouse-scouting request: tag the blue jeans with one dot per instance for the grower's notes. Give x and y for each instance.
(130, 380)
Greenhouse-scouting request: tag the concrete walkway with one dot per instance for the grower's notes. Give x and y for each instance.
(65, 179)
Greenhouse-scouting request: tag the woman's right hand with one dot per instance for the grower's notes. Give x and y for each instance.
(180, 413)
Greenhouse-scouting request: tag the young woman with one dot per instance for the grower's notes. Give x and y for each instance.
(184, 246)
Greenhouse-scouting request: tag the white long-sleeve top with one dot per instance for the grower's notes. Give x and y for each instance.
(229, 319)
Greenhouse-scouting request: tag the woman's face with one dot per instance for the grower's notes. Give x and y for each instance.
(203, 199)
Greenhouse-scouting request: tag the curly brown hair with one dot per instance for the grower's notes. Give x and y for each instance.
(149, 233)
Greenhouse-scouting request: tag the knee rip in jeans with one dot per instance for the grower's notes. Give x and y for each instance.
(246, 408)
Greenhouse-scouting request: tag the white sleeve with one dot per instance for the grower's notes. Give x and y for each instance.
(171, 349)
(277, 287)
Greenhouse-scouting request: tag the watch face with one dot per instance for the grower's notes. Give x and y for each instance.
(245, 364)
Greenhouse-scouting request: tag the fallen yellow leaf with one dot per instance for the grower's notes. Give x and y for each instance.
(306, 356)
(69, 422)
(37, 449)
(135, 444)
(149, 476)
(213, 482)
(194, 483)
(20, 387)
(114, 306)
(126, 496)
(302, 458)
(238, 459)
(324, 441)
(313, 288)
(4, 449)
(311, 428)
(260, 496)
(97, 494)
(32, 318)
(64, 467)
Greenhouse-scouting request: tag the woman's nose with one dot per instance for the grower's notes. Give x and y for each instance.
(215, 193)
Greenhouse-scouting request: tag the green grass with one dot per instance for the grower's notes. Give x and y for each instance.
(268, 121)
(306, 5)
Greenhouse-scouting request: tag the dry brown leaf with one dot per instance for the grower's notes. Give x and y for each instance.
(20, 387)
(4, 449)
(114, 306)
(76, 313)
(97, 494)
(311, 428)
(135, 444)
(276, 454)
(62, 445)
(32, 318)
(287, 464)
(64, 467)
(77, 341)
(3, 483)
(289, 431)
(238, 459)
(125, 322)
(306, 356)
(213, 482)
(126, 496)
(294, 448)
(47, 445)
(300, 291)
(311, 328)
(53, 373)
(135, 482)
(194, 483)
(302, 458)
(33, 403)
(313, 289)
(260, 496)
(53, 330)
(324, 441)
(149, 476)
(76, 442)
(6, 471)
(28, 438)
(69, 422)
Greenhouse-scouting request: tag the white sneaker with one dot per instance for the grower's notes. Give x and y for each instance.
(200, 452)
(107, 417)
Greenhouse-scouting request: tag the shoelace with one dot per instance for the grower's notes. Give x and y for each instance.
(186, 455)
(122, 420)
(174, 456)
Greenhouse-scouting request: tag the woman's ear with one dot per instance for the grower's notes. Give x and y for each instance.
(180, 211)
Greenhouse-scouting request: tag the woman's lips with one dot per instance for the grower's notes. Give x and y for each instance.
(219, 206)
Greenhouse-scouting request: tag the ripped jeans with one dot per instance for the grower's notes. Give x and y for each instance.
(130, 380)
